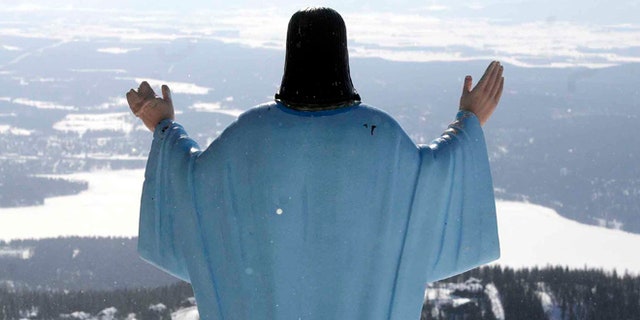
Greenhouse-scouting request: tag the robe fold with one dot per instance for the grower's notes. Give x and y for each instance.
(331, 214)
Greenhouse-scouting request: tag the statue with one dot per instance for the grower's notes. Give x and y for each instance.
(316, 205)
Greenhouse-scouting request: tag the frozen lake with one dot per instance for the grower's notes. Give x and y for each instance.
(530, 234)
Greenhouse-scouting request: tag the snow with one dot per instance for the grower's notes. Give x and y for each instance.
(113, 103)
(545, 300)
(10, 48)
(457, 302)
(496, 304)
(42, 104)
(81, 123)
(106, 156)
(215, 107)
(426, 37)
(99, 70)
(531, 235)
(551, 309)
(79, 315)
(175, 86)
(108, 314)
(7, 129)
(108, 208)
(424, 34)
(29, 313)
(445, 294)
(117, 50)
(190, 313)
(158, 307)
(16, 253)
(436, 7)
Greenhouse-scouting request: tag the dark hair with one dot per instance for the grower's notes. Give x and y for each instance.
(316, 71)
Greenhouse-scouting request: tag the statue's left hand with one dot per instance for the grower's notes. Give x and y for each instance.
(483, 99)
(148, 107)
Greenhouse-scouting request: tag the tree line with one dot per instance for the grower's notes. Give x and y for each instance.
(547, 293)
(530, 293)
(144, 303)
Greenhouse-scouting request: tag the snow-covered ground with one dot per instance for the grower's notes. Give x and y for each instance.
(81, 123)
(534, 235)
(215, 107)
(190, 313)
(108, 208)
(453, 32)
(445, 295)
(530, 234)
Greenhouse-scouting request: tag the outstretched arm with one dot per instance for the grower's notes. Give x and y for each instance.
(455, 216)
(166, 202)
(150, 108)
(483, 99)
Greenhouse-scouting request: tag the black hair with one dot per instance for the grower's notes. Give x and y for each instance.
(316, 72)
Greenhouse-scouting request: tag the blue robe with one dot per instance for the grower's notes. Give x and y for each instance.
(331, 214)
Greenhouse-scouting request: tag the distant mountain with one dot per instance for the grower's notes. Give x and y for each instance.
(77, 264)
(20, 190)
(522, 10)
(562, 138)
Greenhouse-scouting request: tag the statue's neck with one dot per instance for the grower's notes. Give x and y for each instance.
(319, 107)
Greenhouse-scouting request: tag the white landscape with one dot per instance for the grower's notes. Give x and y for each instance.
(431, 33)
(108, 208)
(530, 235)
(81, 123)
(215, 107)
(130, 48)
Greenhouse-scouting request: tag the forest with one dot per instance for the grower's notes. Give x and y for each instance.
(532, 293)
(544, 293)
(17, 190)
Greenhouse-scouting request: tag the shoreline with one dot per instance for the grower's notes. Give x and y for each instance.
(530, 235)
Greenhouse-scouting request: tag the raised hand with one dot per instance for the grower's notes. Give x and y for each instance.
(150, 108)
(483, 99)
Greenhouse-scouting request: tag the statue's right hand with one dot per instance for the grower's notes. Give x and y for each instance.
(148, 107)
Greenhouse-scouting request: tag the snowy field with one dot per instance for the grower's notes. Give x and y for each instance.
(556, 36)
(108, 208)
(530, 235)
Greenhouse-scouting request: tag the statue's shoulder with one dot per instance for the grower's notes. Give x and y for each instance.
(257, 111)
(378, 116)
(373, 111)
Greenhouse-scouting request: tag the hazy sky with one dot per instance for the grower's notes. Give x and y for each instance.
(525, 33)
(620, 11)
